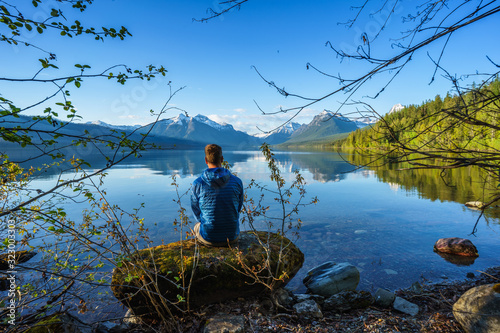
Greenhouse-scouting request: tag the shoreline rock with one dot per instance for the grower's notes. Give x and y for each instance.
(331, 278)
(478, 309)
(217, 275)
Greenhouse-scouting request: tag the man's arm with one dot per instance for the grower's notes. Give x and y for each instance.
(195, 203)
(242, 196)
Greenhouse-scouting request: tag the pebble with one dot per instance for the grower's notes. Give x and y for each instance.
(390, 271)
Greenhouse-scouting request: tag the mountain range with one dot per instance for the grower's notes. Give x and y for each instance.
(185, 131)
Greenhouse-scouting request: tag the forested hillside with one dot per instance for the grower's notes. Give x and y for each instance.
(468, 121)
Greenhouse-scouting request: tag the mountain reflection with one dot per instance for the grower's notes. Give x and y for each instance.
(458, 185)
(324, 166)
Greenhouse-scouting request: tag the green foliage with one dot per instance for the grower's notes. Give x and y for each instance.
(464, 122)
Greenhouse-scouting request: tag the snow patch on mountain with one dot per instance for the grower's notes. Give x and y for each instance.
(396, 108)
(115, 127)
(207, 121)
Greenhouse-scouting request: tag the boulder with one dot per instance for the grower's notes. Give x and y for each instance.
(404, 306)
(478, 310)
(218, 274)
(330, 278)
(308, 308)
(384, 298)
(348, 300)
(457, 246)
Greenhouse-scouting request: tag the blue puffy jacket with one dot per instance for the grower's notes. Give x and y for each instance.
(216, 200)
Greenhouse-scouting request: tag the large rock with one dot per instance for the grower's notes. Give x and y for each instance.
(478, 310)
(330, 278)
(455, 245)
(217, 277)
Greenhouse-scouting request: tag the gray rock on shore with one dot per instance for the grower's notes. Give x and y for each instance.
(384, 298)
(404, 306)
(331, 278)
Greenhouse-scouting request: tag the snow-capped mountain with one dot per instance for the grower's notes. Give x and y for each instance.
(279, 135)
(325, 124)
(203, 130)
(396, 108)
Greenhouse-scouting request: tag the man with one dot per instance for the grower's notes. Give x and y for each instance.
(216, 200)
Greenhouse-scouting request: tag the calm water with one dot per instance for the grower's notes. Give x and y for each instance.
(377, 220)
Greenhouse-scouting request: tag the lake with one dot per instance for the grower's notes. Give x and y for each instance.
(381, 220)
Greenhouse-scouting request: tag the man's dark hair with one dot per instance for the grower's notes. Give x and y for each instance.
(213, 153)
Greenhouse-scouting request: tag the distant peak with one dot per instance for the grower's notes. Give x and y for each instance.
(396, 108)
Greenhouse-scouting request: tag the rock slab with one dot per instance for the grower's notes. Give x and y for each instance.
(330, 278)
(457, 246)
(404, 306)
(478, 309)
(216, 276)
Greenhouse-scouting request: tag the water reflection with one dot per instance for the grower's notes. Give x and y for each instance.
(455, 185)
(456, 259)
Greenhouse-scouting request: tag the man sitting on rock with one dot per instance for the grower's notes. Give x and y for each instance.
(216, 200)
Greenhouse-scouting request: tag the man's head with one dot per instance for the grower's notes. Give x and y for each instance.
(213, 156)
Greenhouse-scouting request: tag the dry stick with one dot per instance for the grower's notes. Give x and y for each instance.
(491, 276)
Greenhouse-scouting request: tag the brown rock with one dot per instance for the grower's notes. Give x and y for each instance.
(457, 246)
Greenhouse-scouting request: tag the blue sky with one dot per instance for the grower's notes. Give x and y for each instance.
(214, 60)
